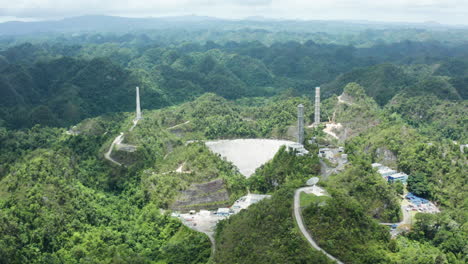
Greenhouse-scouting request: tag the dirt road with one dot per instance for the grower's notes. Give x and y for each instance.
(178, 125)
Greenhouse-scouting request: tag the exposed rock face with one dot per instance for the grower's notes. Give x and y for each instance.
(345, 98)
(386, 157)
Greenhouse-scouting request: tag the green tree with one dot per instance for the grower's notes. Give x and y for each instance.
(419, 185)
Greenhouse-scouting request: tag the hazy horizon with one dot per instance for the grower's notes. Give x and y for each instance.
(16, 19)
(448, 12)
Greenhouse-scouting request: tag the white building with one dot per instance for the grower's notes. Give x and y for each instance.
(301, 151)
(386, 171)
(389, 174)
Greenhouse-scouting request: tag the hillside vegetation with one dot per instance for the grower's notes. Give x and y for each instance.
(64, 83)
(389, 95)
(345, 225)
(267, 233)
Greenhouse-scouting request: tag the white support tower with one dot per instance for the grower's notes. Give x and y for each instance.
(317, 106)
(300, 124)
(138, 109)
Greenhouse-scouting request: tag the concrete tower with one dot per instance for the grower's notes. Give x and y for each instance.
(300, 124)
(317, 106)
(138, 109)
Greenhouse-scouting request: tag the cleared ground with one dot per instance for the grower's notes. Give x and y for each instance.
(205, 221)
(248, 154)
(210, 195)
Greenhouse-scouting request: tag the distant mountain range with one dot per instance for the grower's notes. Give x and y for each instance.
(103, 23)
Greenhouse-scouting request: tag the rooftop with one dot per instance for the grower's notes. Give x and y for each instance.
(223, 210)
(324, 149)
(385, 170)
(399, 175)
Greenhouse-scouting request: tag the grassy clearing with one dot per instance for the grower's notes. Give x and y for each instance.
(307, 199)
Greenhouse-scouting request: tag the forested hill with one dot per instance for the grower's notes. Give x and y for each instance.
(199, 28)
(62, 91)
(59, 84)
(384, 81)
(82, 182)
(62, 202)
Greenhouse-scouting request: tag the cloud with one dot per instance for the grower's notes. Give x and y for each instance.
(446, 11)
(251, 2)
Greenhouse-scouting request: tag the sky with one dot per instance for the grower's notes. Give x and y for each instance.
(442, 11)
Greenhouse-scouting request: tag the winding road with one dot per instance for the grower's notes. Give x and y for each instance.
(108, 157)
(118, 140)
(300, 223)
(405, 222)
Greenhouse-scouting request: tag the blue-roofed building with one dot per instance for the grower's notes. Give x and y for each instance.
(401, 177)
(420, 204)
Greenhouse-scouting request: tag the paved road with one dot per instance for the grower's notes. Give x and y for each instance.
(117, 140)
(405, 222)
(300, 223)
(406, 215)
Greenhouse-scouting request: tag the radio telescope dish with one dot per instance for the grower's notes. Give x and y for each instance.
(312, 181)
